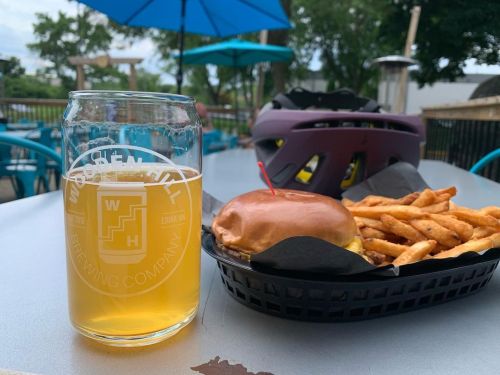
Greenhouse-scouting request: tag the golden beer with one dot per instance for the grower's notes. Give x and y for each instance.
(133, 251)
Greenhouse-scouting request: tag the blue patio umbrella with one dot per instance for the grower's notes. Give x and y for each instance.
(236, 53)
(219, 18)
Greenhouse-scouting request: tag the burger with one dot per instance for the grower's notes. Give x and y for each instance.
(255, 221)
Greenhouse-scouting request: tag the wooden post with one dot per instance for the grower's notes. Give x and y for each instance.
(80, 77)
(260, 79)
(132, 81)
(410, 39)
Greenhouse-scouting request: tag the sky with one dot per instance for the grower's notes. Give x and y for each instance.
(17, 17)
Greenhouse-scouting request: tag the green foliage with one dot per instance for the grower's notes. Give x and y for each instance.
(12, 67)
(59, 38)
(347, 33)
(449, 32)
(31, 87)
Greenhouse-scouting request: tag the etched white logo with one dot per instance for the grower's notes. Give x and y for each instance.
(111, 219)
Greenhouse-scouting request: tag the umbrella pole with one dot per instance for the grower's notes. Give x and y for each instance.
(235, 89)
(181, 47)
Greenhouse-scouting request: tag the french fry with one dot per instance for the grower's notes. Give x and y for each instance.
(463, 229)
(384, 247)
(442, 197)
(492, 211)
(367, 232)
(370, 223)
(376, 257)
(475, 218)
(434, 231)
(437, 208)
(347, 202)
(495, 240)
(407, 199)
(426, 198)
(481, 232)
(416, 252)
(397, 211)
(373, 200)
(472, 245)
(401, 229)
(439, 248)
(452, 190)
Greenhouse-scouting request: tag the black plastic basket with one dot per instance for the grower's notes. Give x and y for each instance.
(342, 301)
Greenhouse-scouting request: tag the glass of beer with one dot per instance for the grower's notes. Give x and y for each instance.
(132, 205)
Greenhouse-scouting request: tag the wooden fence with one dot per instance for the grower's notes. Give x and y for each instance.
(462, 133)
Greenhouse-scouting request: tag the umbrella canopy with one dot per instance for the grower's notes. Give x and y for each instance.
(220, 18)
(237, 53)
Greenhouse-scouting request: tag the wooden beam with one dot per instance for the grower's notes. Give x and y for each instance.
(80, 77)
(483, 109)
(132, 79)
(410, 39)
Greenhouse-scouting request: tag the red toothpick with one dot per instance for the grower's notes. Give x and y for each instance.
(266, 177)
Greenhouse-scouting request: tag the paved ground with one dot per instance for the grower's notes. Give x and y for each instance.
(6, 191)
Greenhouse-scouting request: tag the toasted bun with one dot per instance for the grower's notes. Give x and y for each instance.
(253, 222)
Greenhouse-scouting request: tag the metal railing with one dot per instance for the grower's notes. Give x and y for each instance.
(50, 111)
(229, 120)
(462, 133)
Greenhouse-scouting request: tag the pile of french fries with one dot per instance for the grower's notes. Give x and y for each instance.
(422, 225)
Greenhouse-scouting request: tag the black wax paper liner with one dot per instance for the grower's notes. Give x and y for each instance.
(313, 258)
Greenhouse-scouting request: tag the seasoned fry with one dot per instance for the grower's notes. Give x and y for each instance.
(416, 252)
(492, 211)
(384, 247)
(422, 225)
(495, 240)
(347, 202)
(376, 257)
(452, 190)
(476, 218)
(370, 223)
(374, 200)
(397, 211)
(481, 232)
(367, 232)
(434, 231)
(407, 199)
(443, 197)
(463, 229)
(425, 198)
(401, 229)
(472, 245)
(437, 208)
(439, 248)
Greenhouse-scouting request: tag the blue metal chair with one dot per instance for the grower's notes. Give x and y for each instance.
(485, 160)
(25, 174)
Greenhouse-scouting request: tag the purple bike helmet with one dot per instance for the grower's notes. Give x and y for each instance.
(326, 152)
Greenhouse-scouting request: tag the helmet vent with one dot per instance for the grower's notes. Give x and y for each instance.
(306, 174)
(366, 124)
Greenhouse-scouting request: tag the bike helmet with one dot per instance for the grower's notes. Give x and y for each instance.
(326, 152)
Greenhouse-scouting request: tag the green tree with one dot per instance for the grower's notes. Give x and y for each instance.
(63, 36)
(12, 67)
(449, 32)
(347, 34)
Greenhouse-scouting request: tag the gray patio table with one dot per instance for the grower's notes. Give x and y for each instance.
(460, 337)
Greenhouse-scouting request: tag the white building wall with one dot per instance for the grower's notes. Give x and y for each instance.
(437, 94)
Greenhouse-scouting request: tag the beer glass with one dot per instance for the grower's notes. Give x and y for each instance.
(132, 204)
